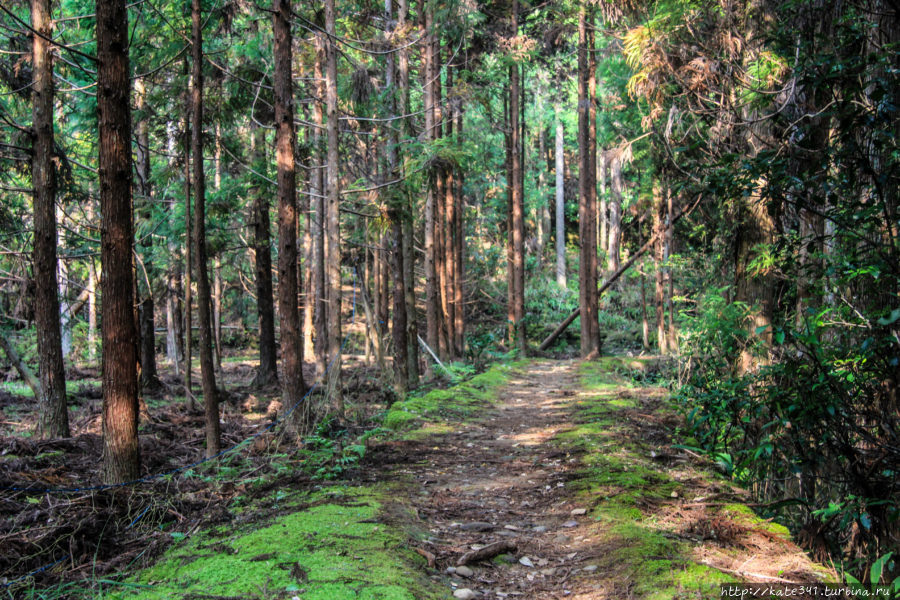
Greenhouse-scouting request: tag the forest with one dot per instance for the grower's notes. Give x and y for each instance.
(237, 239)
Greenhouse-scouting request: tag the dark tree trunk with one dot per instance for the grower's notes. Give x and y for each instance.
(121, 458)
(332, 217)
(267, 373)
(188, 253)
(53, 418)
(587, 204)
(145, 274)
(293, 388)
(204, 316)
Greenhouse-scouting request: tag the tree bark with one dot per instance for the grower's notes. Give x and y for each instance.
(517, 215)
(587, 269)
(121, 456)
(659, 228)
(320, 312)
(614, 243)
(174, 333)
(332, 217)
(560, 204)
(603, 214)
(431, 283)
(53, 418)
(188, 251)
(146, 322)
(267, 372)
(204, 316)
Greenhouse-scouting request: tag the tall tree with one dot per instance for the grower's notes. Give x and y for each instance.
(587, 202)
(146, 322)
(121, 457)
(293, 388)
(267, 372)
(517, 208)
(317, 183)
(54, 417)
(204, 316)
(560, 203)
(332, 215)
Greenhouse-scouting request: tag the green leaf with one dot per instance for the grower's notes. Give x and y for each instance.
(892, 318)
(878, 568)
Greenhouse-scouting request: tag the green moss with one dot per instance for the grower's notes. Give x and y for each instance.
(331, 547)
(456, 403)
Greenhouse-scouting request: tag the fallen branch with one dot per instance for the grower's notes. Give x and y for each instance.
(426, 555)
(488, 552)
(615, 276)
(24, 371)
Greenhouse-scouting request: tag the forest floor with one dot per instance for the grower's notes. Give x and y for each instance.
(565, 472)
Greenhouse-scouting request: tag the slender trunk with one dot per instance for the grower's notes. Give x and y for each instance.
(517, 214)
(173, 273)
(615, 214)
(308, 282)
(409, 262)
(543, 217)
(459, 312)
(332, 217)
(672, 333)
(603, 215)
(121, 456)
(587, 220)
(146, 322)
(431, 291)
(188, 253)
(560, 204)
(204, 318)
(267, 373)
(217, 260)
(54, 418)
(659, 217)
(320, 312)
(645, 321)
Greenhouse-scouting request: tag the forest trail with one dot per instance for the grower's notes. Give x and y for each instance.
(576, 471)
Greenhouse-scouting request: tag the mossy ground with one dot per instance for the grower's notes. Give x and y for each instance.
(648, 552)
(425, 414)
(330, 545)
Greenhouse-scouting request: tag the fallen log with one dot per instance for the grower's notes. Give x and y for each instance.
(25, 372)
(487, 552)
(615, 276)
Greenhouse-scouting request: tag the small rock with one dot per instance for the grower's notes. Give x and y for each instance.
(526, 561)
(562, 539)
(539, 529)
(570, 524)
(464, 594)
(548, 572)
(674, 494)
(451, 570)
(512, 528)
(578, 511)
(590, 568)
(543, 562)
(476, 526)
(464, 571)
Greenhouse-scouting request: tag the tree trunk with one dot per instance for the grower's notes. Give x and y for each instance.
(517, 215)
(121, 457)
(431, 290)
(412, 327)
(645, 321)
(174, 333)
(459, 241)
(19, 365)
(560, 204)
(332, 217)
(615, 213)
(587, 219)
(188, 252)
(603, 214)
(147, 323)
(217, 260)
(53, 416)
(204, 316)
(293, 388)
(659, 224)
(267, 373)
(320, 312)
(672, 333)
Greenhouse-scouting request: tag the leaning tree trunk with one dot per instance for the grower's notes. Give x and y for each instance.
(332, 217)
(587, 219)
(53, 419)
(121, 457)
(293, 388)
(204, 318)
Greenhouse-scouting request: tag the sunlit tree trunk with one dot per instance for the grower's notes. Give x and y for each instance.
(659, 224)
(560, 203)
(201, 261)
(53, 418)
(174, 334)
(320, 312)
(614, 243)
(121, 457)
(517, 214)
(431, 289)
(603, 214)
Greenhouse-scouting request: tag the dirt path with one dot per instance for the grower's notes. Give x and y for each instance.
(507, 477)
